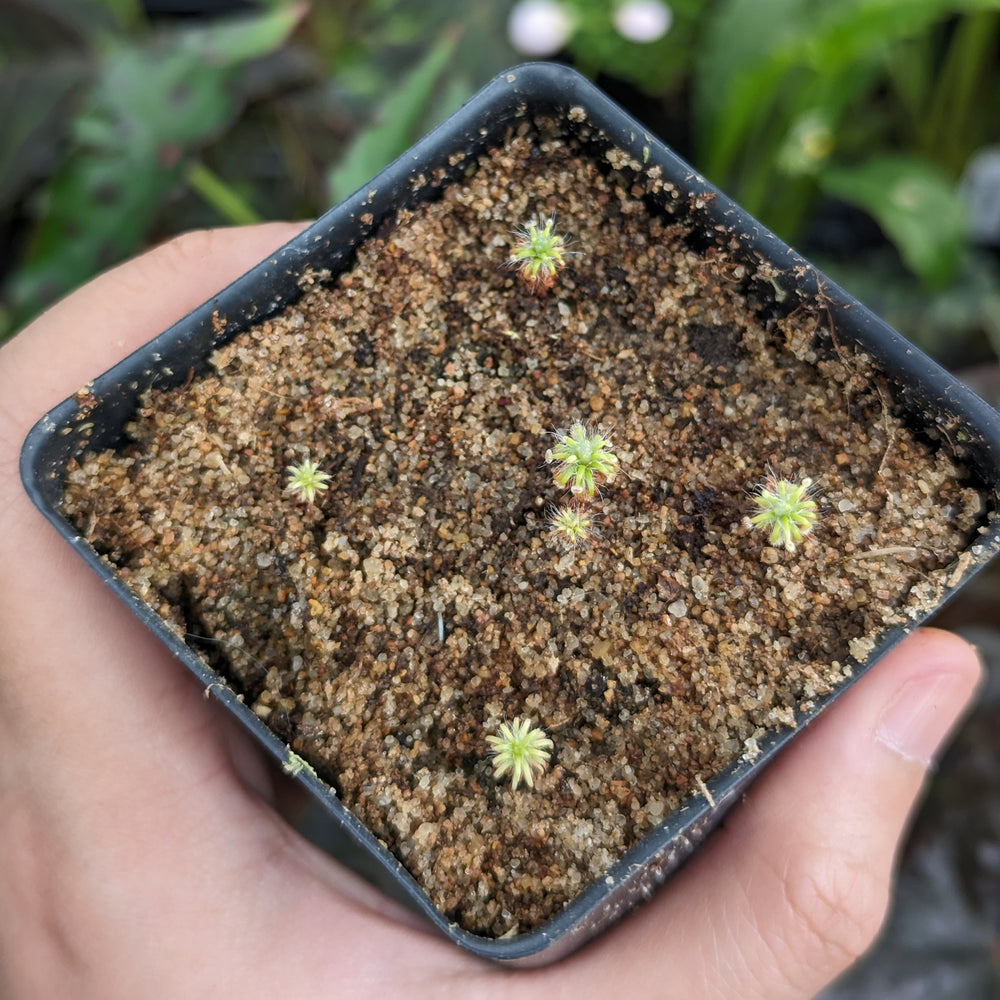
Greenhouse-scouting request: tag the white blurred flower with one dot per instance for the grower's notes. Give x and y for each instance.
(539, 27)
(643, 20)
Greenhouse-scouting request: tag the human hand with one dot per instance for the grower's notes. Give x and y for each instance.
(140, 855)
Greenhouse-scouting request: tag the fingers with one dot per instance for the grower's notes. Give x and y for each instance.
(795, 885)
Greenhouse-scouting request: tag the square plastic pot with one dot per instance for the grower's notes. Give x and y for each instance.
(926, 393)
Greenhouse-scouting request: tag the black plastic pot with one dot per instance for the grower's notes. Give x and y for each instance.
(929, 396)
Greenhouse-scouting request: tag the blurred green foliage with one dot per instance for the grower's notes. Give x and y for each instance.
(147, 106)
(121, 129)
(826, 90)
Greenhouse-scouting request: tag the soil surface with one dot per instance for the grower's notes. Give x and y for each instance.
(386, 629)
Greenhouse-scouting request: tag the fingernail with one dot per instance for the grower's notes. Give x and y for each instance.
(919, 717)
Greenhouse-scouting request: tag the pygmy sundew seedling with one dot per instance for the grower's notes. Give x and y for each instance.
(539, 254)
(305, 480)
(785, 509)
(585, 460)
(522, 750)
(572, 523)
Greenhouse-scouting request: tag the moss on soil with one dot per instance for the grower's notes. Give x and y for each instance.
(385, 630)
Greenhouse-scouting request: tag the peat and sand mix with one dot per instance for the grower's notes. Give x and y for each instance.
(386, 628)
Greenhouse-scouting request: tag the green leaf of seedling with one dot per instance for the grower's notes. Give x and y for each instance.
(401, 116)
(916, 205)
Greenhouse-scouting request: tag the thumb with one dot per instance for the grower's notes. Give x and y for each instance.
(795, 885)
(844, 803)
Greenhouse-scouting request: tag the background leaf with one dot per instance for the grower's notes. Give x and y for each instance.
(399, 119)
(38, 102)
(759, 55)
(149, 108)
(916, 205)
